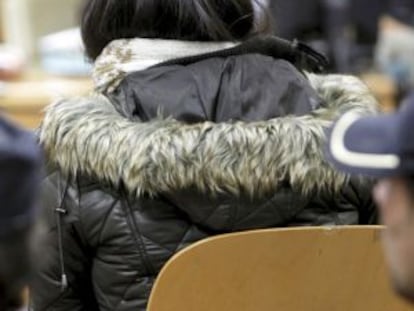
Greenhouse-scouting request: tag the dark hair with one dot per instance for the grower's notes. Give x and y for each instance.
(193, 20)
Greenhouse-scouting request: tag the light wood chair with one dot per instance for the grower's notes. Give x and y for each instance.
(318, 269)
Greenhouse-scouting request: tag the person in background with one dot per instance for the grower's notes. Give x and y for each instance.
(395, 50)
(346, 30)
(20, 169)
(383, 147)
(201, 124)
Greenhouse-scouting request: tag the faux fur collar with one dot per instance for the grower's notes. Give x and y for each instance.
(124, 56)
(88, 136)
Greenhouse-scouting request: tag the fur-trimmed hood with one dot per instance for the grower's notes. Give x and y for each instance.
(88, 136)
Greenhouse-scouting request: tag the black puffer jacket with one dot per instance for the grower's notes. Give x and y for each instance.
(124, 195)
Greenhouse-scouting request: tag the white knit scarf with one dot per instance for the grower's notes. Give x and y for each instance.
(122, 57)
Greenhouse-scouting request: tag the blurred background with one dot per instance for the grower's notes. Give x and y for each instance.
(41, 55)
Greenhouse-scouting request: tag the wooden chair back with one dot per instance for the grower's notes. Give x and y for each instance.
(332, 269)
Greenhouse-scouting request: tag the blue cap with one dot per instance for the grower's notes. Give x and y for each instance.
(20, 170)
(377, 146)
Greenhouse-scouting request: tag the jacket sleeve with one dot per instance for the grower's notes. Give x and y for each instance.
(61, 280)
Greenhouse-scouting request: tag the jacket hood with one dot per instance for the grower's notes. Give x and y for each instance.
(89, 136)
